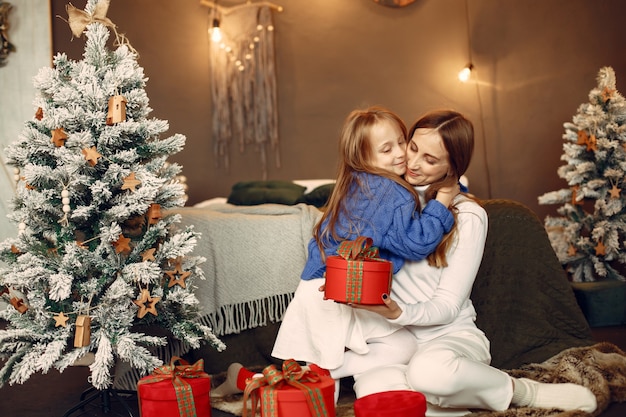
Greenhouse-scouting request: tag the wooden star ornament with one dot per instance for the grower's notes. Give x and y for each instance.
(148, 255)
(92, 155)
(60, 320)
(146, 303)
(582, 137)
(178, 276)
(130, 182)
(592, 143)
(615, 191)
(571, 251)
(600, 249)
(122, 245)
(58, 137)
(607, 94)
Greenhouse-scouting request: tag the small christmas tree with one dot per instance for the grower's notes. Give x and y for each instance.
(97, 256)
(589, 236)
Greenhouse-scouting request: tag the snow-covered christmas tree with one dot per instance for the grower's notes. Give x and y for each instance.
(588, 237)
(97, 255)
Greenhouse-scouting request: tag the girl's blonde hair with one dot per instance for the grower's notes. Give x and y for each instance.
(355, 155)
(457, 133)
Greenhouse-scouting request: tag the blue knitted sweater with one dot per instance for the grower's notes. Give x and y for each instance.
(385, 211)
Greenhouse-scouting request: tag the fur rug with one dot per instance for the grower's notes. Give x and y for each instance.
(601, 368)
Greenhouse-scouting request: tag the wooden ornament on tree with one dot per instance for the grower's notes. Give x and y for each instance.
(130, 182)
(19, 305)
(574, 195)
(58, 137)
(615, 191)
(92, 155)
(122, 245)
(600, 249)
(83, 331)
(147, 304)
(60, 319)
(607, 93)
(592, 143)
(39, 113)
(148, 255)
(177, 275)
(117, 110)
(571, 250)
(154, 213)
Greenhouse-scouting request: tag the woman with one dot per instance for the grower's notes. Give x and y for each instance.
(450, 365)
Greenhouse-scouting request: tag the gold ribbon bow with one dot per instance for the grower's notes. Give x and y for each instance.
(79, 19)
(273, 378)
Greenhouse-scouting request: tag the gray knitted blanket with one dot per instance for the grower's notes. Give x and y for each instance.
(254, 258)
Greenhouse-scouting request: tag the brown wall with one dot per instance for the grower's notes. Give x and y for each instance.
(536, 61)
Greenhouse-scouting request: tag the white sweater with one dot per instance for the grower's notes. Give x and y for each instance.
(436, 301)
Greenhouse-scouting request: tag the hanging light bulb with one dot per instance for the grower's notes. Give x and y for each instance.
(215, 31)
(465, 73)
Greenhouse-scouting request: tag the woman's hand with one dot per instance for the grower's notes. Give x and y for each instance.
(389, 309)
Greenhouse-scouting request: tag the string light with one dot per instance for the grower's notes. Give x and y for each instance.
(215, 31)
(466, 73)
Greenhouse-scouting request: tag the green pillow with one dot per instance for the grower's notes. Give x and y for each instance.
(250, 193)
(319, 196)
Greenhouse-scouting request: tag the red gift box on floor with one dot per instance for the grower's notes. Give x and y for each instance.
(357, 275)
(290, 392)
(391, 404)
(175, 390)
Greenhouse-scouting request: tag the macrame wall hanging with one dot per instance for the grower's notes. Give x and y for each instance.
(5, 46)
(243, 81)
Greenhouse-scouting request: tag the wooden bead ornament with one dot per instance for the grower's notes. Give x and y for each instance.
(65, 200)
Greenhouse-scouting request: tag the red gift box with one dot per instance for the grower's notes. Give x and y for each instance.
(291, 392)
(399, 403)
(357, 275)
(175, 390)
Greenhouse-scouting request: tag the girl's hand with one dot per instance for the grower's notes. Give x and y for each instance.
(446, 194)
(389, 309)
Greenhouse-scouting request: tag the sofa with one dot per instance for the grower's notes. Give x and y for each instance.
(525, 304)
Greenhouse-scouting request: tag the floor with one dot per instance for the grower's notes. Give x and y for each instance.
(54, 394)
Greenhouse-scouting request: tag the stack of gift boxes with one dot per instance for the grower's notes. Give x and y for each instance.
(356, 275)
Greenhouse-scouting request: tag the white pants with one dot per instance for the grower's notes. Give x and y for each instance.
(452, 371)
(337, 337)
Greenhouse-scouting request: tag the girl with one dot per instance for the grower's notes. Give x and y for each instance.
(371, 199)
(450, 365)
